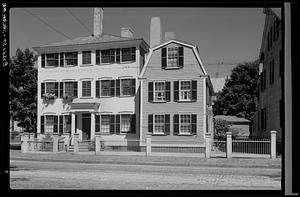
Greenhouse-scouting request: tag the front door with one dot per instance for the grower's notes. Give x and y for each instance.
(86, 126)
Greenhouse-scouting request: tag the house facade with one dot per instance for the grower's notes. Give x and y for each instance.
(269, 115)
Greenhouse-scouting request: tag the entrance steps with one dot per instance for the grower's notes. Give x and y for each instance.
(82, 146)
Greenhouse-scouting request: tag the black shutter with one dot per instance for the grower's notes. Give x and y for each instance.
(133, 54)
(180, 64)
(61, 59)
(176, 90)
(132, 124)
(76, 58)
(168, 91)
(150, 123)
(194, 124)
(97, 123)
(163, 58)
(55, 127)
(118, 55)
(118, 87)
(97, 57)
(61, 124)
(176, 124)
(56, 89)
(75, 88)
(118, 124)
(194, 90)
(112, 124)
(75, 122)
(61, 89)
(167, 124)
(43, 60)
(132, 87)
(97, 88)
(112, 88)
(112, 56)
(150, 91)
(42, 89)
(42, 124)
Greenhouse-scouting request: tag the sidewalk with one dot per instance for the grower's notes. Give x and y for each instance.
(150, 160)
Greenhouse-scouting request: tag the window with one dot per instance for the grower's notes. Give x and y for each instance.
(272, 72)
(105, 124)
(49, 90)
(105, 87)
(69, 89)
(86, 88)
(159, 91)
(52, 59)
(49, 124)
(71, 58)
(185, 91)
(128, 87)
(86, 57)
(128, 54)
(172, 57)
(125, 123)
(185, 124)
(105, 56)
(67, 124)
(159, 124)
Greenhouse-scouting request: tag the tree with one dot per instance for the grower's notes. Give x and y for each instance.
(238, 97)
(23, 89)
(221, 127)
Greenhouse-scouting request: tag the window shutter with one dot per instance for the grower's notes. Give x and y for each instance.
(194, 124)
(75, 88)
(112, 88)
(118, 87)
(118, 124)
(150, 123)
(42, 89)
(118, 55)
(55, 126)
(61, 59)
(97, 88)
(76, 117)
(168, 91)
(42, 124)
(61, 89)
(163, 58)
(56, 89)
(97, 57)
(132, 124)
(150, 91)
(167, 124)
(97, 123)
(43, 60)
(194, 90)
(176, 90)
(133, 54)
(132, 87)
(61, 124)
(76, 58)
(112, 56)
(112, 124)
(180, 57)
(176, 124)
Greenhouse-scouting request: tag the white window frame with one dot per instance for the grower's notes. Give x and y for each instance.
(167, 56)
(182, 91)
(180, 124)
(101, 87)
(64, 87)
(65, 62)
(47, 126)
(82, 81)
(154, 91)
(90, 52)
(160, 124)
(101, 123)
(125, 114)
(46, 61)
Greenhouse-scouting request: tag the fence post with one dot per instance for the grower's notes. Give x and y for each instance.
(228, 144)
(24, 143)
(55, 143)
(97, 144)
(76, 139)
(207, 145)
(148, 145)
(273, 144)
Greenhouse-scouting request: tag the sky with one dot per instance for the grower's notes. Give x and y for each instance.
(229, 35)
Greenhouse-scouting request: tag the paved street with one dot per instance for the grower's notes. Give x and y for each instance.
(64, 175)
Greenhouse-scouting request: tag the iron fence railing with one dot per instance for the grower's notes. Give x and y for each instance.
(251, 146)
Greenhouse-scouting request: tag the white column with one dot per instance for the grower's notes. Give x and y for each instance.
(228, 144)
(207, 145)
(273, 144)
(92, 125)
(148, 145)
(72, 127)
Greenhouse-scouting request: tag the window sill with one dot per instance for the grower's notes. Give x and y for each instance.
(182, 134)
(158, 134)
(86, 65)
(160, 101)
(124, 96)
(105, 97)
(49, 67)
(67, 66)
(191, 101)
(86, 97)
(172, 68)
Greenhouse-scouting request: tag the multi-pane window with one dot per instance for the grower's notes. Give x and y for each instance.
(52, 59)
(49, 126)
(126, 54)
(50, 88)
(71, 58)
(86, 57)
(105, 56)
(69, 89)
(105, 124)
(110, 56)
(185, 124)
(159, 91)
(185, 91)
(127, 87)
(159, 124)
(125, 123)
(173, 57)
(86, 88)
(105, 87)
(67, 124)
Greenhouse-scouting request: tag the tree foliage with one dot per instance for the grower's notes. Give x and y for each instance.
(238, 97)
(23, 89)
(221, 127)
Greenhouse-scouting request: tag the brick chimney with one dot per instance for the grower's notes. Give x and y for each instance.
(98, 21)
(169, 36)
(155, 31)
(126, 32)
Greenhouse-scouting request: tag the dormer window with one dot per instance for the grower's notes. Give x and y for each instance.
(172, 57)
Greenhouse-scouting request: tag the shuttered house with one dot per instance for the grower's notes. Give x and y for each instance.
(89, 86)
(176, 95)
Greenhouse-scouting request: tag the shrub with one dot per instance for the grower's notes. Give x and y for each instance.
(221, 127)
